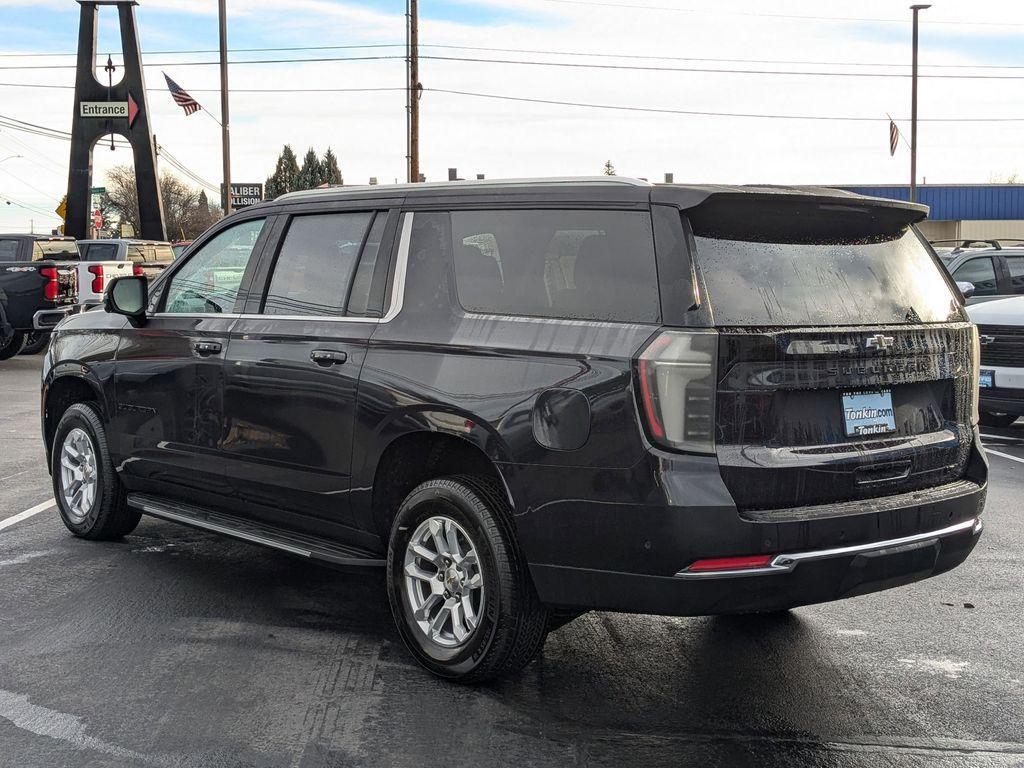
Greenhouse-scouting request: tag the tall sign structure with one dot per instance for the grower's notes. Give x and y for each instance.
(105, 109)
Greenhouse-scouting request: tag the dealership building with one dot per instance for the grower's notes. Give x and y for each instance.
(961, 211)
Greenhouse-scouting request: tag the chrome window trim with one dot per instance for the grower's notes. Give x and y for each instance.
(788, 562)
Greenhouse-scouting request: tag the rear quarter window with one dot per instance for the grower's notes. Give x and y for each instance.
(9, 250)
(572, 264)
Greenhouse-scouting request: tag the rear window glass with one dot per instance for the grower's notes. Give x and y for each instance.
(55, 250)
(163, 253)
(100, 251)
(884, 280)
(137, 254)
(590, 265)
(8, 250)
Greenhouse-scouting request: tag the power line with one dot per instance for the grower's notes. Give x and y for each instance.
(563, 64)
(713, 70)
(698, 113)
(313, 60)
(625, 108)
(588, 54)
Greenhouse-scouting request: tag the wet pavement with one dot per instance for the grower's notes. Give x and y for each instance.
(179, 648)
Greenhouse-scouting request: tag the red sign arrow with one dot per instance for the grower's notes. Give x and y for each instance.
(133, 111)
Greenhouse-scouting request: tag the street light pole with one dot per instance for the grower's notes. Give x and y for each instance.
(913, 110)
(224, 116)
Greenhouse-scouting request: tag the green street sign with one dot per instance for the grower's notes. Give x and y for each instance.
(98, 191)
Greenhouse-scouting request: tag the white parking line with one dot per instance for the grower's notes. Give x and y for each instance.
(987, 450)
(27, 514)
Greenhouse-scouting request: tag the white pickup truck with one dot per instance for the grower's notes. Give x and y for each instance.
(1001, 330)
(94, 276)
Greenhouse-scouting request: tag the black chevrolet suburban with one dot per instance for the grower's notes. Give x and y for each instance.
(530, 399)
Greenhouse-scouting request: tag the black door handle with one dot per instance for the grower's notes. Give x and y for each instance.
(207, 347)
(328, 357)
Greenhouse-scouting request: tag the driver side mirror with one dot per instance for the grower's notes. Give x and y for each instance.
(128, 296)
(966, 288)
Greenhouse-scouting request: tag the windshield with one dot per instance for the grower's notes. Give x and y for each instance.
(844, 283)
(55, 250)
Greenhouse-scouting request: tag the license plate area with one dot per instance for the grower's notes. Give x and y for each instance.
(868, 413)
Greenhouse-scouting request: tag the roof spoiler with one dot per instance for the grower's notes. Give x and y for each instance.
(790, 214)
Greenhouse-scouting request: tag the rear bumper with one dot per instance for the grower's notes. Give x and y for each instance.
(48, 319)
(794, 579)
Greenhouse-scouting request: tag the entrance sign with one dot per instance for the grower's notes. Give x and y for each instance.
(116, 108)
(103, 109)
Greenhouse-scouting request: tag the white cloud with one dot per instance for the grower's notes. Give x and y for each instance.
(513, 139)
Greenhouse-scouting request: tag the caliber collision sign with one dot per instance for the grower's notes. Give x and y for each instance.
(244, 195)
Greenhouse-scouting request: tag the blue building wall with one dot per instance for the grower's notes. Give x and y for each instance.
(958, 201)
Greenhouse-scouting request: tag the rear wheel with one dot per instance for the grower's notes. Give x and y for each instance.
(90, 498)
(35, 342)
(14, 346)
(997, 419)
(458, 586)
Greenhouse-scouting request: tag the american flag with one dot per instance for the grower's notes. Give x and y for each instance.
(181, 97)
(894, 137)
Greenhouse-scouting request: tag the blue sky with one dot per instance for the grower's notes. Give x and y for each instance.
(508, 138)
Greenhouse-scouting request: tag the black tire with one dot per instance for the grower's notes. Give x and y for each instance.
(109, 517)
(35, 343)
(512, 622)
(997, 419)
(14, 346)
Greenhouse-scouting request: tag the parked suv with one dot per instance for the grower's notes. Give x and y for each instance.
(993, 272)
(527, 400)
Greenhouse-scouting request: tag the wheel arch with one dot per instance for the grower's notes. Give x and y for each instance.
(416, 456)
(61, 393)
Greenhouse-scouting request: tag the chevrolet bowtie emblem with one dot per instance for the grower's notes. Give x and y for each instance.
(880, 341)
(985, 339)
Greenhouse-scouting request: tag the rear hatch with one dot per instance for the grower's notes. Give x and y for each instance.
(845, 365)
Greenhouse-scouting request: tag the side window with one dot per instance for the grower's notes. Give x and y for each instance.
(362, 285)
(592, 265)
(314, 267)
(8, 250)
(981, 273)
(1015, 265)
(209, 281)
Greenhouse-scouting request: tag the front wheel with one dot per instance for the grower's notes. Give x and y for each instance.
(13, 346)
(459, 588)
(90, 498)
(997, 419)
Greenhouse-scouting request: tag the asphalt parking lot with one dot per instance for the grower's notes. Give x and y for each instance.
(178, 648)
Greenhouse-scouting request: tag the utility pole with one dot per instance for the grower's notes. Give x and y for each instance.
(412, 41)
(224, 116)
(913, 110)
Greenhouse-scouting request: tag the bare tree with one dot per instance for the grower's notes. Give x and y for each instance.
(187, 212)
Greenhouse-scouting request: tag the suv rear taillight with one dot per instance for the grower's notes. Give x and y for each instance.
(51, 290)
(678, 377)
(137, 270)
(96, 270)
(975, 374)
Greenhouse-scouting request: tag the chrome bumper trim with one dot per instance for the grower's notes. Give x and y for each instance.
(48, 319)
(788, 562)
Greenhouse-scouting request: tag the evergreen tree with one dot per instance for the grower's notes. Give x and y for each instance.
(310, 175)
(329, 168)
(285, 174)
